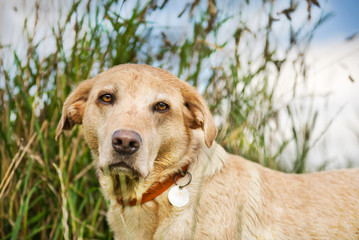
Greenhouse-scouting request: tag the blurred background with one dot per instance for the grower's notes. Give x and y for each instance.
(280, 77)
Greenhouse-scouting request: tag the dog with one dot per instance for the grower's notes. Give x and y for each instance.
(153, 139)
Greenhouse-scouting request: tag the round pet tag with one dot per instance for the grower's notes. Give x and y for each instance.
(178, 197)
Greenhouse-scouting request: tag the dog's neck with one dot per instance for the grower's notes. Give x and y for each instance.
(154, 191)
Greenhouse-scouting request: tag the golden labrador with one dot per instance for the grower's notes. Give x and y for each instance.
(152, 138)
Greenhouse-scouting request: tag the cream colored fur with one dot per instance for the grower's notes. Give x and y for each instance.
(230, 197)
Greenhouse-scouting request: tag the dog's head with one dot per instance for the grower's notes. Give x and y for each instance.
(136, 118)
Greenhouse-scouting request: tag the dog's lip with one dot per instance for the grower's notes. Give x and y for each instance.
(121, 168)
(120, 164)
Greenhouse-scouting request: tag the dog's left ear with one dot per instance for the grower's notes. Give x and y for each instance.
(198, 115)
(74, 107)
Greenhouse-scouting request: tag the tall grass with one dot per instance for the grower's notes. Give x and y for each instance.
(48, 189)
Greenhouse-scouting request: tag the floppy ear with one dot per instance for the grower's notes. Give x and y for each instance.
(74, 106)
(199, 115)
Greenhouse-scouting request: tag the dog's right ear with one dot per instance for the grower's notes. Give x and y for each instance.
(74, 106)
(198, 114)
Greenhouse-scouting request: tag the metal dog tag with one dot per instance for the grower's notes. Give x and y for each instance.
(178, 197)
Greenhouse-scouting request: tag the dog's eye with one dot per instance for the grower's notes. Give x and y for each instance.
(161, 107)
(106, 98)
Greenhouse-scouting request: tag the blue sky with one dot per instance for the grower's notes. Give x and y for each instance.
(344, 23)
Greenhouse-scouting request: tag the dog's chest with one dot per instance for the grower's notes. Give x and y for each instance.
(131, 222)
(150, 222)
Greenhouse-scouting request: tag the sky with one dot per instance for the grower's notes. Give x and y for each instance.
(335, 74)
(344, 22)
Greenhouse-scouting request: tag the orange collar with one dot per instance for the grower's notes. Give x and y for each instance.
(155, 190)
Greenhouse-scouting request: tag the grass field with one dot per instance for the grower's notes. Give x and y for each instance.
(48, 188)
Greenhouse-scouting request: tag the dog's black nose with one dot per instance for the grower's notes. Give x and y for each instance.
(126, 142)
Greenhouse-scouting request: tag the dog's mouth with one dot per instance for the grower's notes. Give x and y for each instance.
(120, 167)
(121, 171)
